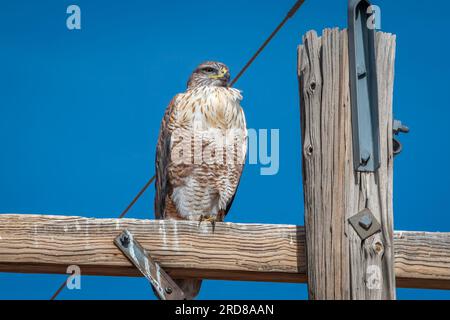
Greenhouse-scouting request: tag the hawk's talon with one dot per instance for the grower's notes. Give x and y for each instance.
(202, 217)
(209, 219)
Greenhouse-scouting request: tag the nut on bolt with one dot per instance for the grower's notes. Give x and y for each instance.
(365, 157)
(361, 71)
(365, 222)
(125, 240)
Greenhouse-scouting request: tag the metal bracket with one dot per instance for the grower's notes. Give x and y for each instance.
(162, 283)
(397, 128)
(365, 224)
(363, 88)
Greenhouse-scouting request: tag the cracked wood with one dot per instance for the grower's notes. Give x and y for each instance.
(251, 252)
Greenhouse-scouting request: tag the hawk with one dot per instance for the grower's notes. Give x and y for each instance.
(200, 152)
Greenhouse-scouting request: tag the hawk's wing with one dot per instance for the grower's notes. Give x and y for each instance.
(162, 184)
(230, 203)
(244, 153)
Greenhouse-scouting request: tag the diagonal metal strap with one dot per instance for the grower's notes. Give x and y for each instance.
(163, 284)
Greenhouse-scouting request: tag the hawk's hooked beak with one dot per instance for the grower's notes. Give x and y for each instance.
(224, 74)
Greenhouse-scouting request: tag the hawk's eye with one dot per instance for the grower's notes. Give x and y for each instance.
(209, 70)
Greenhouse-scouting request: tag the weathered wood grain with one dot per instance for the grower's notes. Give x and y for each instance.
(340, 265)
(34, 243)
(422, 259)
(251, 252)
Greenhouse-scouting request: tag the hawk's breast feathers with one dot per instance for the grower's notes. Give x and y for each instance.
(200, 153)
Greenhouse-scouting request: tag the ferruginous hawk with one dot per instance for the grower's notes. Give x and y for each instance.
(201, 152)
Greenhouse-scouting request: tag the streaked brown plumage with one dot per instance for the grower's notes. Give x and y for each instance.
(201, 151)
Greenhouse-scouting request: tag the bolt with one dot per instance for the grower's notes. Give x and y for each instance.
(361, 71)
(398, 127)
(125, 240)
(404, 129)
(168, 290)
(365, 157)
(365, 221)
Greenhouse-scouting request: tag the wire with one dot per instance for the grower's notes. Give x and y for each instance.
(289, 15)
(124, 212)
(59, 290)
(137, 197)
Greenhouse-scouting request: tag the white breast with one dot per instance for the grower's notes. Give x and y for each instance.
(210, 186)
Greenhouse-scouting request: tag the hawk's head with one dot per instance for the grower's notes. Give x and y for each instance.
(210, 73)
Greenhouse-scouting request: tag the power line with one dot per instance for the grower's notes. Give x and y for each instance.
(124, 212)
(289, 15)
(149, 182)
(59, 290)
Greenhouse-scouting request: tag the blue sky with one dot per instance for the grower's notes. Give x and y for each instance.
(80, 112)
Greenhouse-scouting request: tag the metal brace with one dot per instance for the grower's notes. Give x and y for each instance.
(162, 283)
(363, 88)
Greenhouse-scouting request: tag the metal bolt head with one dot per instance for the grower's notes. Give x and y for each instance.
(361, 71)
(125, 240)
(365, 157)
(168, 290)
(365, 222)
(399, 127)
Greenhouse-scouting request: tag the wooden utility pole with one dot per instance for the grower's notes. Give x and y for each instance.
(341, 265)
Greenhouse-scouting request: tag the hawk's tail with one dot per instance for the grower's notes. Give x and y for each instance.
(190, 287)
